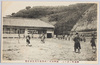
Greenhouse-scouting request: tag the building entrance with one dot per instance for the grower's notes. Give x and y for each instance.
(49, 35)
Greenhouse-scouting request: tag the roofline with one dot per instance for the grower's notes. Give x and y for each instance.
(27, 26)
(27, 18)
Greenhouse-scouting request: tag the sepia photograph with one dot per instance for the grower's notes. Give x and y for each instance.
(49, 32)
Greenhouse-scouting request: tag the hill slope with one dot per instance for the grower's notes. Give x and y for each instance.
(76, 17)
(88, 20)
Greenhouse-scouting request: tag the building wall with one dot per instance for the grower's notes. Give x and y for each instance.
(13, 35)
(10, 31)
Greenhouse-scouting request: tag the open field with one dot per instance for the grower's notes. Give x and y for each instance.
(52, 49)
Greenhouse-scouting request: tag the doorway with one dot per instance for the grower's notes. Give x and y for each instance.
(49, 35)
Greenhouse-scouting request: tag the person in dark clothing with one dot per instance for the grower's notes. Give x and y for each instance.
(28, 40)
(92, 41)
(77, 43)
(63, 36)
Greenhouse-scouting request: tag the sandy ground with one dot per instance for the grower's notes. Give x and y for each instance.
(52, 49)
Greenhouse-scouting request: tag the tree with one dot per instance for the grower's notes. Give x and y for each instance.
(28, 7)
(12, 14)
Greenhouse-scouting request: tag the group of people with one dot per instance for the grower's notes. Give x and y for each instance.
(69, 37)
(28, 39)
(76, 39)
(77, 45)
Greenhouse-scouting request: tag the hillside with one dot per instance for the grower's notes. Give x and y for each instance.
(88, 20)
(76, 17)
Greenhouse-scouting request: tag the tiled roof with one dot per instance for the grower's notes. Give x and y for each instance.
(25, 22)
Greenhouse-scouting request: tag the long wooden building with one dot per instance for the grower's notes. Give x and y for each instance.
(15, 27)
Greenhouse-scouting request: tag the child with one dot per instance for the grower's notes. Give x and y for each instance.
(42, 38)
(28, 40)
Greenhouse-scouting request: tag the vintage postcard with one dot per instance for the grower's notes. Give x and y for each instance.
(49, 32)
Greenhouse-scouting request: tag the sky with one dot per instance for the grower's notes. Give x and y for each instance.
(9, 7)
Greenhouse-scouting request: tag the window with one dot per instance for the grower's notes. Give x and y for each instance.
(41, 31)
(32, 32)
(13, 31)
(6, 30)
(22, 31)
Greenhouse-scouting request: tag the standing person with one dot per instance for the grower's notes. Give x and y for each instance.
(18, 36)
(32, 36)
(77, 43)
(71, 36)
(84, 38)
(68, 37)
(43, 38)
(63, 36)
(81, 36)
(28, 40)
(93, 43)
